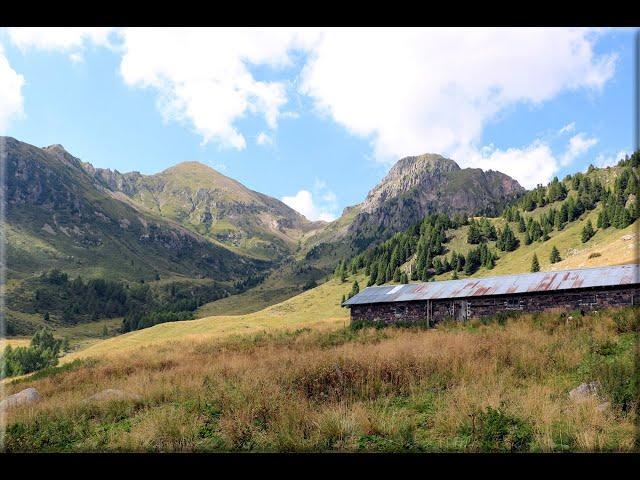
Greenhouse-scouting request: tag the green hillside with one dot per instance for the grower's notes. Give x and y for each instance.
(546, 218)
(58, 219)
(215, 206)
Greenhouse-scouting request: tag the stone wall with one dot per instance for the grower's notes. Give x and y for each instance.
(429, 313)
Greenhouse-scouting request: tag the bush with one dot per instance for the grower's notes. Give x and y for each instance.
(619, 381)
(42, 353)
(626, 320)
(311, 283)
(494, 430)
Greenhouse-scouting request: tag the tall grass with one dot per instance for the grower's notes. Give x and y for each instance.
(501, 386)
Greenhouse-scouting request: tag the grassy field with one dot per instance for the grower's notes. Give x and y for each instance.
(493, 386)
(318, 308)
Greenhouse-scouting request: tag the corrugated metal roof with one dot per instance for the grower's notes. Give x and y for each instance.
(501, 285)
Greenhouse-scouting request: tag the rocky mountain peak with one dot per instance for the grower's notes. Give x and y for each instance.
(407, 174)
(420, 185)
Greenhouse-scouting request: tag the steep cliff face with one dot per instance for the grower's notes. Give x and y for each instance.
(56, 216)
(418, 186)
(213, 205)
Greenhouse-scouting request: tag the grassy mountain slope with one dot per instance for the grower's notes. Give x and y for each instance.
(215, 206)
(414, 187)
(614, 246)
(318, 307)
(56, 217)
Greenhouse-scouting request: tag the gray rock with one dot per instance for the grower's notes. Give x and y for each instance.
(584, 392)
(603, 406)
(24, 397)
(113, 394)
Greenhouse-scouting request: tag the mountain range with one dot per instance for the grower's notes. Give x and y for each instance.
(192, 223)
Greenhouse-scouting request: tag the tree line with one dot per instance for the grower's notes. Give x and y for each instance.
(71, 301)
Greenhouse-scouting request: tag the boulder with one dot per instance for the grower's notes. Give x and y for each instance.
(584, 392)
(603, 407)
(113, 394)
(24, 397)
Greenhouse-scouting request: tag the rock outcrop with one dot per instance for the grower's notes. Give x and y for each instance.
(24, 397)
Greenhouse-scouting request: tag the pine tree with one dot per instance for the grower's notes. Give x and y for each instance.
(587, 232)
(396, 275)
(455, 275)
(355, 289)
(473, 236)
(343, 274)
(507, 240)
(404, 279)
(414, 274)
(382, 276)
(521, 225)
(535, 265)
(555, 255)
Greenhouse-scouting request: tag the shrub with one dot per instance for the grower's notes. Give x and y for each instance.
(626, 320)
(594, 255)
(498, 431)
(619, 381)
(43, 352)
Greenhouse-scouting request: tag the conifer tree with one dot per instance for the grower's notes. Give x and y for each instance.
(396, 275)
(535, 265)
(355, 289)
(587, 232)
(555, 255)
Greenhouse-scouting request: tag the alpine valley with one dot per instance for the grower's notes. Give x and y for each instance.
(94, 252)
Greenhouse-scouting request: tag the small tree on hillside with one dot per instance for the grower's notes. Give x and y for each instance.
(355, 289)
(555, 255)
(535, 265)
(404, 278)
(521, 225)
(587, 232)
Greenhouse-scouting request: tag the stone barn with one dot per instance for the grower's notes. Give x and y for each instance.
(431, 302)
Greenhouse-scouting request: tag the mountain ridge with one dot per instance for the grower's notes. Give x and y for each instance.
(214, 205)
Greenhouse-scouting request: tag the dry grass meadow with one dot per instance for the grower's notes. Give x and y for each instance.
(500, 385)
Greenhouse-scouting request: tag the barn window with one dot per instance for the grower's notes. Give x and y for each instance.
(400, 310)
(589, 300)
(514, 304)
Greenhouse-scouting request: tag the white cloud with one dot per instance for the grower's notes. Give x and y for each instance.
(203, 76)
(603, 160)
(59, 38)
(11, 100)
(407, 91)
(570, 127)
(304, 203)
(529, 165)
(264, 139)
(413, 91)
(578, 145)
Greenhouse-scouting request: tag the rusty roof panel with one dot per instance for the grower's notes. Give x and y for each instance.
(502, 285)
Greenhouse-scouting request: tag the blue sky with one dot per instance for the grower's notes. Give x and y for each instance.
(317, 118)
